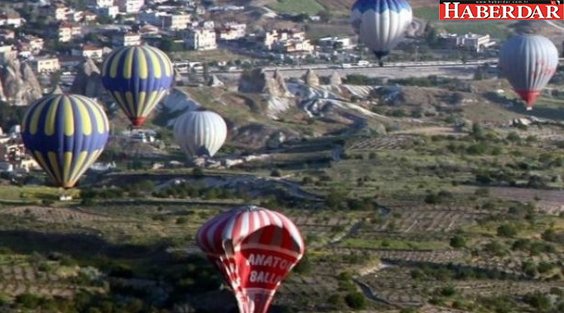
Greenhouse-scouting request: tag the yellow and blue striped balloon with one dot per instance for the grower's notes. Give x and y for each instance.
(65, 134)
(137, 77)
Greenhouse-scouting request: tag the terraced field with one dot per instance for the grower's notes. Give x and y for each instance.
(55, 215)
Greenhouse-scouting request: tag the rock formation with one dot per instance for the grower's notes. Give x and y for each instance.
(88, 80)
(335, 79)
(215, 82)
(19, 85)
(277, 85)
(57, 90)
(258, 81)
(253, 81)
(311, 79)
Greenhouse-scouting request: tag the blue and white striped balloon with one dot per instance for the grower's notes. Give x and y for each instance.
(381, 24)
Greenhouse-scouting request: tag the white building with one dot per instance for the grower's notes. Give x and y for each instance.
(468, 41)
(150, 16)
(232, 31)
(61, 12)
(89, 51)
(126, 40)
(170, 21)
(46, 65)
(176, 21)
(67, 32)
(75, 16)
(208, 24)
(200, 39)
(11, 19)
(36, 44)
(130, 6)
(335, 42)
(287, 41)
(111, 11)
(102, 3)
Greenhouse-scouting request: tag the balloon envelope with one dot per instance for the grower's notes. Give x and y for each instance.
(380, 24)
(65, 134)
(200, 133)
(137, 77)
(254, 248)
(528, 62)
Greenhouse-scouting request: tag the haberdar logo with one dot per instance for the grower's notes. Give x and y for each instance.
(501, 10)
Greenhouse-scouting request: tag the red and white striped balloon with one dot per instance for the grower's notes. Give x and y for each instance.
(254, 248)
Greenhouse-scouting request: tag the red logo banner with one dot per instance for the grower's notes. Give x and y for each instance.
(501, 10)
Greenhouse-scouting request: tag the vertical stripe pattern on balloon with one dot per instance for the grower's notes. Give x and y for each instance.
(137, 77)
(65, 134)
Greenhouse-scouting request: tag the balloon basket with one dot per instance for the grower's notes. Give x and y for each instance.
(63, 196)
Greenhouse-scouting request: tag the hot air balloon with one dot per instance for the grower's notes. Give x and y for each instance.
(65, 134)
(254, 248)
(528, 62)
(137, 77)
(380, 24)
(200, 132)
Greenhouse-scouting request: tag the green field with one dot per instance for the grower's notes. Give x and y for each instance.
(297, 6)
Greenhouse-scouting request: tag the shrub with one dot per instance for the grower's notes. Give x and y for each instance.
(28, 301)
(182, 220)
(539, 301)
(482, 192)
(198, 172)
(448, 291)
(507, 230)
(355, 300)
(336, 300)
(549, 235)
(457, 241)
(304, 267)
(495, 248)
(529, 268)
(432, 198)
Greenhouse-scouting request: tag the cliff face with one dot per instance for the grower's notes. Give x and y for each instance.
(18, 83)
(88, 80)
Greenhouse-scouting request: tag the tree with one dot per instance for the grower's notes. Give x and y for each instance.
(431, 35)
(206, 73)
(464, 57)
(477, 131)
